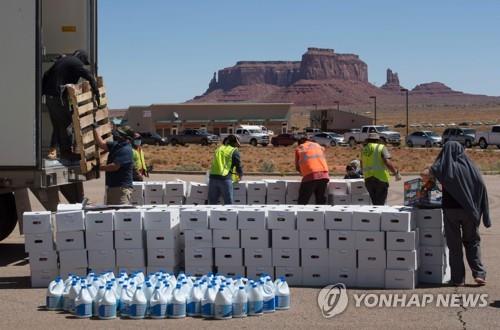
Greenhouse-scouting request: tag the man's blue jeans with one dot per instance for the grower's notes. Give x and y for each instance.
(216, 188)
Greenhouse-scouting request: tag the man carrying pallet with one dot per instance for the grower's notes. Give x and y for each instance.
(66, 70)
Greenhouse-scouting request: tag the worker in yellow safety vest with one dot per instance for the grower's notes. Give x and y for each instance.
(140, 168)
(226, 168)
(377, 164)
(311, 163)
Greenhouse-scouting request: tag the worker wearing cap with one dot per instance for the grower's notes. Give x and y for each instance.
(311, 163)
(140, 168)
(119, 166)
(66, 70)
(376, 164)
(226, 169)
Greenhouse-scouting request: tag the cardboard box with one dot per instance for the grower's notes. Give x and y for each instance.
(361, 199)
(397, 221)
(173, 200)
(40, 260)
(434, 255)
(344, 275)
(99, 240)
(70, 221)
(130, 258)
(240, 200)
(255, 272)
(338, 219)
(70, 240)
(73, 259)
(198, 190)
(130, 270)
(198, 257)
(164, 269)
(291, 200)
(37, 222)
(195, 201)
(38, 242)
(368, 240)
(402, 260)
(194, 219)
(198, 237)
(255, 238)
(341, 200)
(286, 257)
(345, 258)
(310, 220)
(313, 239)
(231, 271)
(400, 279)
(276, 188)
(314, 258)
(285, 239)
(64, 272)
(432, 237)
(228, 257)
(252, 219)
(154, 189)
(372, 259)
(240, 189)
(338, 187)
(166, 239)
(402, 241)
(162, 257)
(315, 276)
(429, 218)
(125, 239)
(276, 200)
(154, 200)
(434, 274)
(366, 221)
(281, 219)
(292, 275)
(41, 278)
(256, 200)
(256, 189)
(175, 188)
(370, 278)
(342, 240)
(226, 238)
(258, 257)
(223, 219)
(101, 258)
(161, 219)
(198, 271)
(357, 186)
(99, 221)
(128, 219)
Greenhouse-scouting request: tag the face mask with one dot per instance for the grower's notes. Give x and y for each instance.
(137, 143)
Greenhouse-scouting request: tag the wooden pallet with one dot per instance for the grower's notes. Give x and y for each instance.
(85, 113)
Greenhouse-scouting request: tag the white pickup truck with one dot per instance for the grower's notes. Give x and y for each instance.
(386, 135)
(484, 139)
(250, 134)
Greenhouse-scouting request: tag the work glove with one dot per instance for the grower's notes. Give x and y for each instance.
(397, 176)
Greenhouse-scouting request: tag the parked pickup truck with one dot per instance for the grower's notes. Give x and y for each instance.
(250, 134)
(484, 139)
(193, 136)
(386, 135)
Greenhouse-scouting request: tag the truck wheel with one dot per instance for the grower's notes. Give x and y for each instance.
(383, 140)
(174, 142)
(428, 144)
(352, 142)
(264, 144)
(253, 142)
(409, 144)
(483, 144)
(204, 142)
(333, 144)
(468, 144)
(9, 215)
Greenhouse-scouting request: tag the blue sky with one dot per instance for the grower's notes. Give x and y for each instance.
(164, 51)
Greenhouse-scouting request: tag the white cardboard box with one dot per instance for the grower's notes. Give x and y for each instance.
(254, 238)
(338, 187)
(99, 240)
(195, 201)
(240, 189)
(161, 219)
(370, 278)
(228, 257)
(252, 219)
(194, 218)
(240, 200)
(223, 219)
(154, 200)
(314, 258)
(102, 258)
(98, 221)
(341, 200)
(432, 237)
(198, 270)
(175, 188)
(128, 219)
(255, 272)
(41, 260)
(256, 200)
(41, 278)
(198, 237)
(313, 239)
(285, 239)
(370, 240)
(276, 200)
(231, 271)
(276, 187)
(292, 275)
(130, 258)
(162, 257)
(344, 275)
(125, 239)
(357, 187)
(164, 269)
(64, 272)
(372, 259)
(198, 190)
(70, 221)
(281, 219)
(434, 274)
(286, 257)
(402, 260)
(400, 279)
(161, 239)
(37, 222)
(70, 240)
(131, 269)
(173, 200)
(73, 258)
(429, 218)
(402, 241)
(315, 276)
(310, 220)
(338, 219)
(434, 255)
(342, 240)
(361, 199)
(256, 188)
(345, 258)
(366, 221)
(38, 242)
(198, 256)
(152, 188)
(258, 257)
(223, 238)
(397, 221)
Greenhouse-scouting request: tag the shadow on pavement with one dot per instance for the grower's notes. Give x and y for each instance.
(18, 282)
(495, 304)
(11, 253)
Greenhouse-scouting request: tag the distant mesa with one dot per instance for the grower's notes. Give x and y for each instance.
(392, 81)
(434, 88)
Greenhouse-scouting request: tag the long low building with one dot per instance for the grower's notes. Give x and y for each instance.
(216, 118)
(338, 120)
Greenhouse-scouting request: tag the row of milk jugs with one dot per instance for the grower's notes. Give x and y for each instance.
(164, 295)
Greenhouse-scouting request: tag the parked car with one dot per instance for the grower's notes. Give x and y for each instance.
(283, 140)
(153, 139)
(328, 139)
(193, 136)
(465, 136)
(250, 134)
(310, 131)
(426, 139)
(386, 135)
(484, 139)
(399, 125)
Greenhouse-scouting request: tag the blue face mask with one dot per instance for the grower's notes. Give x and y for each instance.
(137, 143)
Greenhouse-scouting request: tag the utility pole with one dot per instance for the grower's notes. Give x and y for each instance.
(374, 109)
(406, 91)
